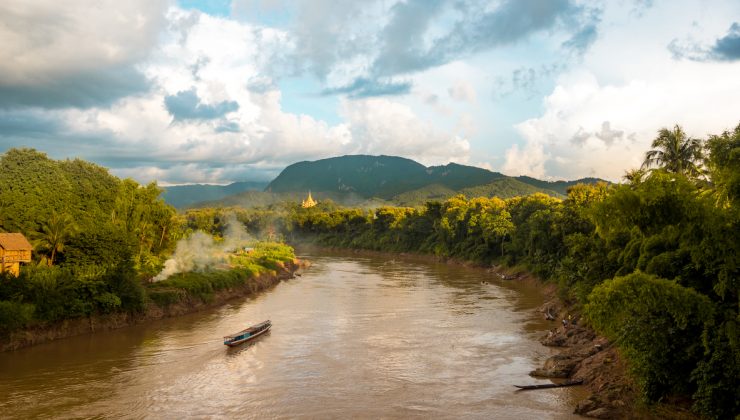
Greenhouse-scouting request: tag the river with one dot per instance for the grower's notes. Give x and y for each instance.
(355, 336)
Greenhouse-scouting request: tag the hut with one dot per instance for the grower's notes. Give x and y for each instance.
(14, 249)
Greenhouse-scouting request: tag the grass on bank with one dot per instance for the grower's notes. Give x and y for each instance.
(265, 257)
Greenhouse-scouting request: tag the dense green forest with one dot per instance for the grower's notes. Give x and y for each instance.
(98, 240)
(652, 263)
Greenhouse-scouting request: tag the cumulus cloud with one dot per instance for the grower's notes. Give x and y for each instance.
(725, 48)
(57, 54)
(575, 113)
(391, 39)
(224, 128)
(186, 105)
(381, 126)
(728, 47)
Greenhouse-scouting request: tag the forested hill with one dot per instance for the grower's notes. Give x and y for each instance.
(75, 212)
(185, 195)
(388, 176)
(560, 187)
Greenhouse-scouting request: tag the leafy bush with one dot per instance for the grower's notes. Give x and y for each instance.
(14, 315)
(657, 323)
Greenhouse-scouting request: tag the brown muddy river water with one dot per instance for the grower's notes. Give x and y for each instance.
(353, 337)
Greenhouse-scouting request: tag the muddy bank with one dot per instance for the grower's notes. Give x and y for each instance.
(594, 359)
(79, 326)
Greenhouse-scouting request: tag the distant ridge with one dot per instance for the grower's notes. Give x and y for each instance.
(389, 176)
(181, 196)
(376, 176)
(364, 180)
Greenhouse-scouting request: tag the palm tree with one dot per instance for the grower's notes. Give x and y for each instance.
(676, 153)
(635, 176)
(54, 233)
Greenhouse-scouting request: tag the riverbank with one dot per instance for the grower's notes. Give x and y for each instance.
(153, 311)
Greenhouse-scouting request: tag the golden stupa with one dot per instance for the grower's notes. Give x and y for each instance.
(308, 202)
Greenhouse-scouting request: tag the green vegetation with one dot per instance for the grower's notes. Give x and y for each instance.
(263, 258)
(653, 263)
(98, 239)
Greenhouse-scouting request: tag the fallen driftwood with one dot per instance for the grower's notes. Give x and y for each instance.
(549, 316)
(545, 386)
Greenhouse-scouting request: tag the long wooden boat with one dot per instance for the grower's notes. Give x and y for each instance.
(247, 334)
(545, 386)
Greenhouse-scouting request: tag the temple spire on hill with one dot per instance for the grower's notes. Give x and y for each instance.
(308, 202)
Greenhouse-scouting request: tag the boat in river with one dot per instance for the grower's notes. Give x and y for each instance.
(245, 335)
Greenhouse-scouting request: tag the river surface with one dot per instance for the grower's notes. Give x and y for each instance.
(352, 337)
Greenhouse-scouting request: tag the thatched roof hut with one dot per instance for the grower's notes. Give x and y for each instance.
(14, 249)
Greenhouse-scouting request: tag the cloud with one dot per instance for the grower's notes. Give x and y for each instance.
(579, 103)
(382, 126)
(529, 160)
(511, 21)
(57, 54)
(391, 39)
(364, 88)
(187, 106)
(402, 39)
(225, 129)
(582, 40)
(607, 135)
(726, 48)
(580, 137)
(526, 80)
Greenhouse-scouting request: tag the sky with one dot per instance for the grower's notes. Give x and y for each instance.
(217, 91)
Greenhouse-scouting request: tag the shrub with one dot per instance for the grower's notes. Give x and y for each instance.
(657, 323)
(14, 315)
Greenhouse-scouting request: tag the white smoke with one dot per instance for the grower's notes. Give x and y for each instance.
(200, 252)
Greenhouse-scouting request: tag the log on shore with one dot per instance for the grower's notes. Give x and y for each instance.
(546, 386)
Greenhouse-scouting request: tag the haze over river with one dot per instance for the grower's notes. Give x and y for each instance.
(354, 336)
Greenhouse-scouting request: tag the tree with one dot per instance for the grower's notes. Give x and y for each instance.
(723, 163)
(635, 176)
(54, 234)
(676, 153)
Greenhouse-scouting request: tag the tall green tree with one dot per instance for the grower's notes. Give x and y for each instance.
(723, 164)
(675, 152)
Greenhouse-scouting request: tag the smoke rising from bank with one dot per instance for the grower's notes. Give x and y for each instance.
(200, 252)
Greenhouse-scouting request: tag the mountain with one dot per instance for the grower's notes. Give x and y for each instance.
(368, 181)
(184, 195)
(376, 176)
(560, 187)
(502, 188)
(507, 188)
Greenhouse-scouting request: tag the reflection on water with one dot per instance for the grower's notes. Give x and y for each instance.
(354, 336)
